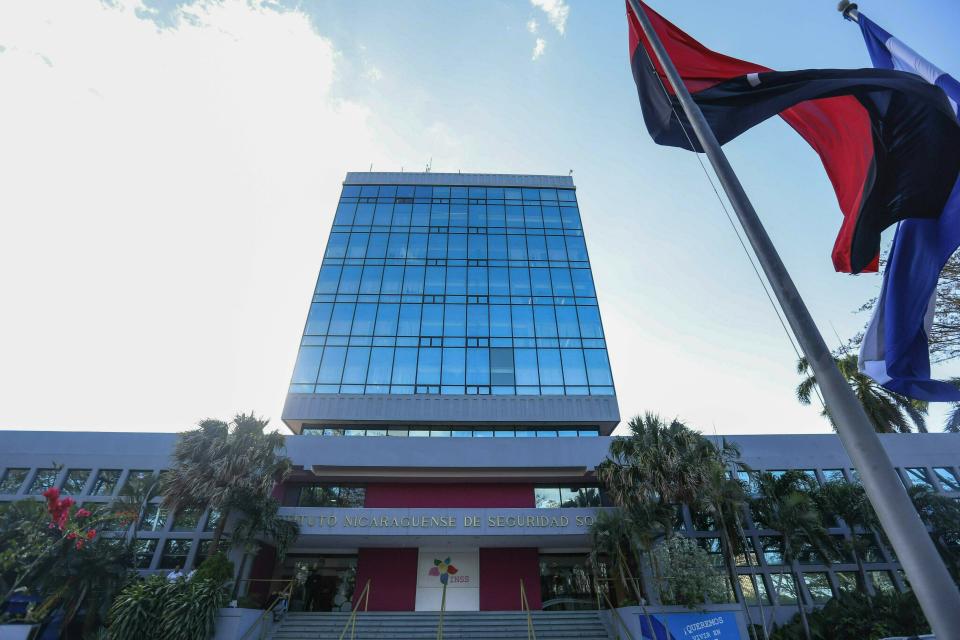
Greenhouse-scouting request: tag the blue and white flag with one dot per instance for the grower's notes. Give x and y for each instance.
(895, 351)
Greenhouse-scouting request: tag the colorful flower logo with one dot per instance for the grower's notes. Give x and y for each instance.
(442, 568)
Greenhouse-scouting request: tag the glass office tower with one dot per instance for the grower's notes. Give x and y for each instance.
(447, 300)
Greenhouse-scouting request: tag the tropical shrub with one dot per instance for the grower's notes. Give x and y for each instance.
(137, 612)
(216, 568)
(853, 616)
(686, 575)
(158, 609)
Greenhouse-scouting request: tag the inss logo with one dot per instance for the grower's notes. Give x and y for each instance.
(443, 569)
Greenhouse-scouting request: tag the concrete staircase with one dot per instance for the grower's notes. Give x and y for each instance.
(457, 625)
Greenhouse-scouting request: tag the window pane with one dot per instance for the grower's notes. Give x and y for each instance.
(454, 319)
(567, 322)
(522, 321)
(405, 365)
(428, 365)
(75, 481)
(432, 324)
(355, 368)
(545, 321)
(882, 581)
(436, 280)
(547, 497)
(105, 483)
(381, 361)
(785, 587)
(551, 371)
(12, 480)
(847, 581)
(307, 366)
(754, 589)
(918, 476)
(154, 518)
(174, 554)
(386, 322)
(363, 319)
(342, 318)
(43, 480)
(144, 551)
(500, 325)
(477, 324)
(948, 478)
(525, 366)
(453, 365)
(561, 281)
(501, 366)
(318, 320)
(582, 283)
(573, 368)
(590, 322)
(478, 366)
(331, 367)
(409, 320)
(598, 368)
(833, 475)
(818, 585)
(186, 520)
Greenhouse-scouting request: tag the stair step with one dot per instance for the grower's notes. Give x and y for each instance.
(457, 625)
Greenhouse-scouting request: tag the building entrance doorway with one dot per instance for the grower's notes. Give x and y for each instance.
(324, 583)
(568, 582)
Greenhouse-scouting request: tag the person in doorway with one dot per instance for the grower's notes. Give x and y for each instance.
(176, 574)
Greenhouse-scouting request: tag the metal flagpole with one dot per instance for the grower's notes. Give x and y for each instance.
(929, 578)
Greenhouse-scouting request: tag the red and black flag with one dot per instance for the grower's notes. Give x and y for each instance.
(889, 140)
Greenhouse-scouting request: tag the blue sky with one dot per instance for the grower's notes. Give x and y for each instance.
(172, 201)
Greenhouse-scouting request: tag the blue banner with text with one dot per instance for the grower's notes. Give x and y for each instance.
(690, 626)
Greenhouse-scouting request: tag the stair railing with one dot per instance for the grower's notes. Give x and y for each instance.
(617, 618)
(352, 620)
(278, 608)
(443, 608)
(525, 606)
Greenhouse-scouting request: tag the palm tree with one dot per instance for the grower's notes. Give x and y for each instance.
(849, 502)
(665, 463)
(724, 499)
(785, 504)
(888, 411)
(259, 519)
(217, 460)
(622, 538)
(941, 514)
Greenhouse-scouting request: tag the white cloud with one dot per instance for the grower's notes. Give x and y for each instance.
(538, 48)
(532, 25)
(557, 12)
(167, 193)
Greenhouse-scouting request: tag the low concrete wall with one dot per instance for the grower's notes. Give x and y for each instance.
(232, 623)
(631, 616)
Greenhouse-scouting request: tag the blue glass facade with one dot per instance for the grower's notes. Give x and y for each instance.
(454, 290)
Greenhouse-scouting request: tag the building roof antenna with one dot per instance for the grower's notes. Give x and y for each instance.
(371, 167)
(429, 165)
(571, 172)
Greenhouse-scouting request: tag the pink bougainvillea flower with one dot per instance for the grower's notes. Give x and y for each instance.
(82, 513)
(91, 534)
(51, 494)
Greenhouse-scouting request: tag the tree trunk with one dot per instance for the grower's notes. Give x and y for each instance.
(639, 584)
(861, 574)
(734, 578)
(218, 532)
(795, 566)
(236, 582)
(748, 545)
